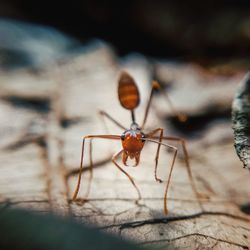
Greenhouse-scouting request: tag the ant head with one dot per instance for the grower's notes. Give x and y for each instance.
(132, 141)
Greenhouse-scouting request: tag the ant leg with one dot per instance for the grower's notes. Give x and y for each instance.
(111, 137)
(156, 86)
(190, 176)
(181, 117)
(105, 114)
(170, 172)
(90, 168)
(80, 172)
(114, 158)
(150, 135)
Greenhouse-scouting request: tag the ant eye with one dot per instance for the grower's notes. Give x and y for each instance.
(123, 137)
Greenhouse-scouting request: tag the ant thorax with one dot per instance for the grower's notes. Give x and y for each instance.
(134, 126)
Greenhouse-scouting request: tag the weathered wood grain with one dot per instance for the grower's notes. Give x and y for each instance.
(40, 172)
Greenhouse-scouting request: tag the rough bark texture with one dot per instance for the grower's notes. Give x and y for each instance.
(45, 112)
(241, 120)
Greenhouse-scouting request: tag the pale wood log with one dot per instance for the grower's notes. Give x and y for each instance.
(36, 174)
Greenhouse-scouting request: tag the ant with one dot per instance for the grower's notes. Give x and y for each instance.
(133, 139)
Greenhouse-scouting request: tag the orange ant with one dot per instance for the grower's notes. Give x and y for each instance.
(133, 139)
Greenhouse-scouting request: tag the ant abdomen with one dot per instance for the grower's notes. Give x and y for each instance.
(128, 93)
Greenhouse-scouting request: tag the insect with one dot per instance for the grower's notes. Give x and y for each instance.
(134, 139)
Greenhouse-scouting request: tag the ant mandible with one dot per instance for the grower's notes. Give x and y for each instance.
(133, 139)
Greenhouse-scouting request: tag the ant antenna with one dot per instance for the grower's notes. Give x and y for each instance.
(155, 86)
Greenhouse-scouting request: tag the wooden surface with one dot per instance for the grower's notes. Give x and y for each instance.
(41, 145)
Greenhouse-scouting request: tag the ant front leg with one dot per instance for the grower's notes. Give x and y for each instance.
(114, 158)
(91, 137)
(150, 135)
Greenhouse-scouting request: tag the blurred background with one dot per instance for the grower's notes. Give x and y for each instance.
(200, 31)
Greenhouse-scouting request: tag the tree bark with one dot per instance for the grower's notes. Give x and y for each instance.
(241, 121)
